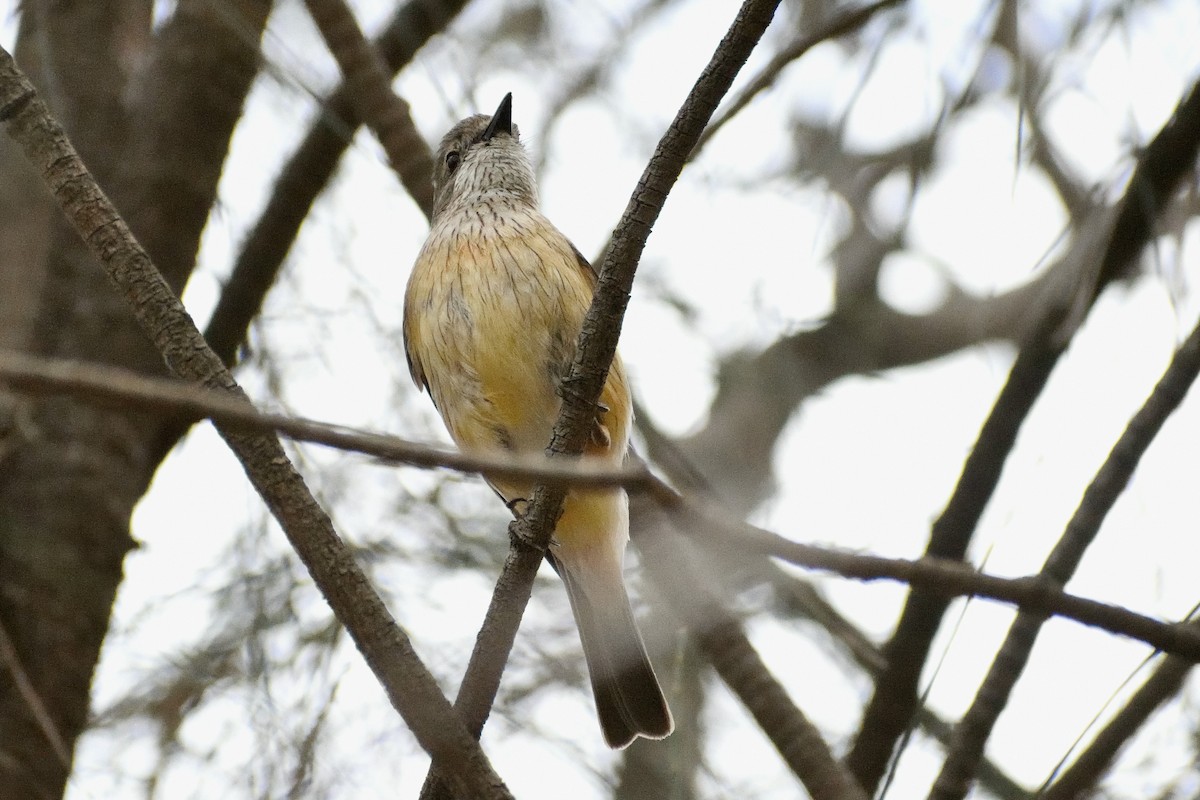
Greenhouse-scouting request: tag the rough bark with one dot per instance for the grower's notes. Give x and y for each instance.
(69, 474)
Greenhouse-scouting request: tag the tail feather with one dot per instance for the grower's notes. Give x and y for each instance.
(629, 700)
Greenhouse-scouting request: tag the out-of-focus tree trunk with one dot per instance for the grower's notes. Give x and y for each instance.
(71, 474)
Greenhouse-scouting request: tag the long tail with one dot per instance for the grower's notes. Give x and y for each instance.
(629, 701)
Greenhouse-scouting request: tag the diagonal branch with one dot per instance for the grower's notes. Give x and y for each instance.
(115, 387)
(840, 25)
(110, 386)
(303, 178)
(368, 83)
(385, 647)
(976, 726)
(1162, 164)
(946, 578)
(596, 347)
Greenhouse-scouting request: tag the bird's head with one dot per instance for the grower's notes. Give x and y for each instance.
(480, 158)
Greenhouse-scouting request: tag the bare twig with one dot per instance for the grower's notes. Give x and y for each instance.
(1168, 157)
(950, 578)
(114, 387)
(385, 647)
(117, 387)
(840, 25)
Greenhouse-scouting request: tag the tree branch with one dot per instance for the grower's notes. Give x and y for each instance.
(385, 647)
(110, 386)
(303, 178)
(946, 578)
(1167, 158)
(119, 388)
(976, 725)
(369, 85)
(840, 25)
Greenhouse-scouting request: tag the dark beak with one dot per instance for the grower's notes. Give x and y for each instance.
(501, 120)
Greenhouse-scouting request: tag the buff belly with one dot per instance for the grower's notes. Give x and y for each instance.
(495, 327)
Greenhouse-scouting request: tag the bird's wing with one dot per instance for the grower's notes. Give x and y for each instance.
(589, 272)
(601, 438)
(412, 343)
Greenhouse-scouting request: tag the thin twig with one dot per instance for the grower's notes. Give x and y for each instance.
(947, 578)
(385, 647)
(112, 386)
(838, 26)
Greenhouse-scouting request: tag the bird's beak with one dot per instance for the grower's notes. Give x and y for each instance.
(501, 120)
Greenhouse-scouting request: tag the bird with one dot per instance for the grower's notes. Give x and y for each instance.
(492, 311)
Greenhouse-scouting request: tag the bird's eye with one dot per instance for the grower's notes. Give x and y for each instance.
(453, 159)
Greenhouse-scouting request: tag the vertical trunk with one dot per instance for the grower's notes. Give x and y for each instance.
(70, 474)
(65, 477)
